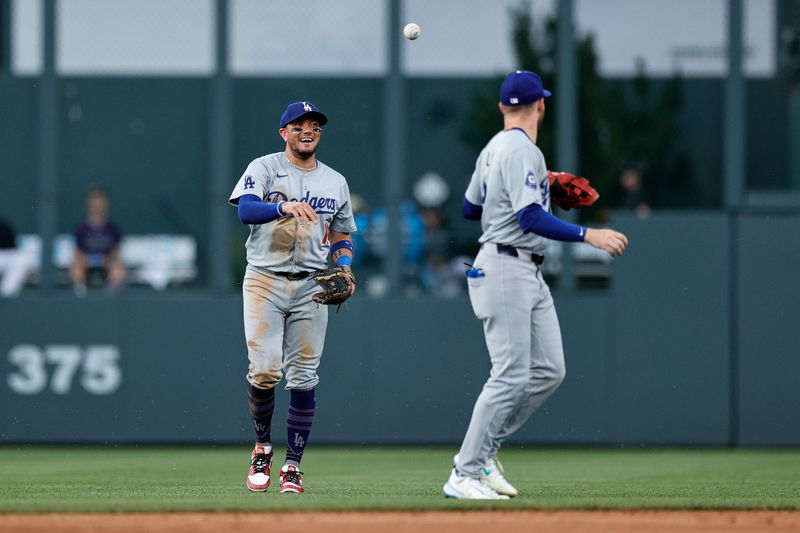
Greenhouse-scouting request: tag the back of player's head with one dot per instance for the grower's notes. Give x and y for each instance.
(522, 87)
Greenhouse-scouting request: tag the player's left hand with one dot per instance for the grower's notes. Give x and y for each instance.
(352, 278)
(337, 285)
(569, 191)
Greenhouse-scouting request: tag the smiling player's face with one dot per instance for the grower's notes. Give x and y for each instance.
(302, 137)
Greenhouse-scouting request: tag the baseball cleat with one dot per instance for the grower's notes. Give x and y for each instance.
(260, 463)
(492, 475)
(290, 479)
(469, 488)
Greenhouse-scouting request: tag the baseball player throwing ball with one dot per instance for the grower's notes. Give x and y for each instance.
(510, 194)
(299, 211)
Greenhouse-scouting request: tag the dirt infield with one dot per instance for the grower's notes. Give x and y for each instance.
(413, 522)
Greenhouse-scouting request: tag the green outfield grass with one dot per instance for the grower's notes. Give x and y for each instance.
(40, 479)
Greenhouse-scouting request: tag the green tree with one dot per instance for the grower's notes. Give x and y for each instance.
(621, 122)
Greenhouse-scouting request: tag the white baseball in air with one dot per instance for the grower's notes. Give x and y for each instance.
(411, 31)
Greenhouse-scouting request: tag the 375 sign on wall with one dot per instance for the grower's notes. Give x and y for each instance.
(61, 368)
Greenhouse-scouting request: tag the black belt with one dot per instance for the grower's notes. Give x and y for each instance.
(510, 250)
(293, 275)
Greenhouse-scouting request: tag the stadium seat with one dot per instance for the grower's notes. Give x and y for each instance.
(157, 260)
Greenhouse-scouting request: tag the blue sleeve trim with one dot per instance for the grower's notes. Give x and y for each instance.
(471, 211)
(344, 243)
(344, 260)
(253, 211)
(534, 219)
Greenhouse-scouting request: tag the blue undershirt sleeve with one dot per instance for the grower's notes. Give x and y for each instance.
(471, 211)
(253, 211)
(534, 219)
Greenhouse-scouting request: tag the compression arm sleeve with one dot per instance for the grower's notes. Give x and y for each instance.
(534, 219)
(471, 211)
(253, 211)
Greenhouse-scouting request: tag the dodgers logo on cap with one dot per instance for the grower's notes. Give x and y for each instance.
(522, 87)
(298, 109)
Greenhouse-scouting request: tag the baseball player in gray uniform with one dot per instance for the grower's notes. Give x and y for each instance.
(509, 194)
(299, 211)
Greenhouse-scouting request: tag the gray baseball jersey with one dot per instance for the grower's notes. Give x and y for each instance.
(284, 245)
(510, 174)
(284, 328)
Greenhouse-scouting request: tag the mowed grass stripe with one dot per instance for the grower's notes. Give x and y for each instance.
(72, 479)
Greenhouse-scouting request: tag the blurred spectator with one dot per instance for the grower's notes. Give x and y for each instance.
(15, 265)
(361, 216)
(438, 275)
(97, 245)
(412, 235)
(428, 262)
(436, 231)
(431, 190)
(634, 195)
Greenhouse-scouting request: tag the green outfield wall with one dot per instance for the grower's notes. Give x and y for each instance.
(148, 140)
(694, 343)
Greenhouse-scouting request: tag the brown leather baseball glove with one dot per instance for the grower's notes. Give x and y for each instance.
(569, 191)
(336, 283)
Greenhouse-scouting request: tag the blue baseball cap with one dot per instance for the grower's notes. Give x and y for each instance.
(298, 109)
(521, 88)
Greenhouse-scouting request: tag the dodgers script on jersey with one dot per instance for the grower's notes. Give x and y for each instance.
(504, 191)
(284, 245)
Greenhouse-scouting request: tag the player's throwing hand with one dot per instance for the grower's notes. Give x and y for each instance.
(302, 211)
(609, 240)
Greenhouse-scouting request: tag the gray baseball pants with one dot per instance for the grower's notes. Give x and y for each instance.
(284, 328)
(524, 342)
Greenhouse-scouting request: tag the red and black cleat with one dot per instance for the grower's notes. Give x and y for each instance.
(260, 463)
(291, 480)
